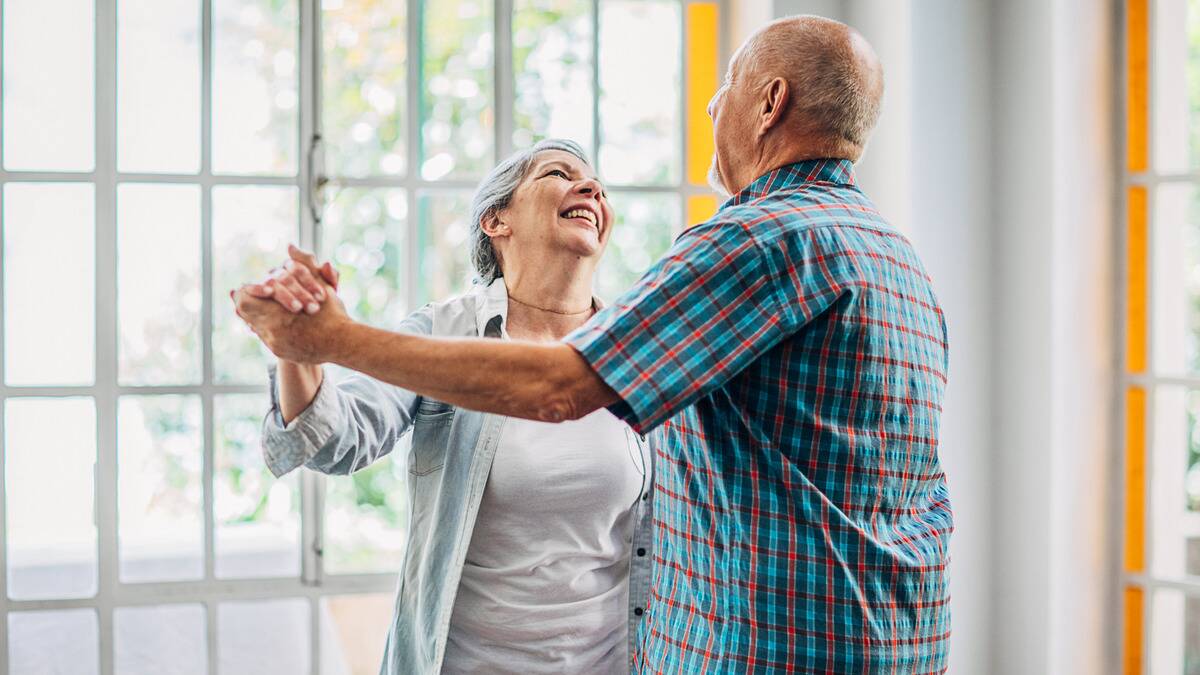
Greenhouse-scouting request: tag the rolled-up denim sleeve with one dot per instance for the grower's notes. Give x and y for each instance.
(351, 422)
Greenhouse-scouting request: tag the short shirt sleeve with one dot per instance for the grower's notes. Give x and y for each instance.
(714, 303)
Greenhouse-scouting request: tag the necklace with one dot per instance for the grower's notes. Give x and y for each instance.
(552, 311)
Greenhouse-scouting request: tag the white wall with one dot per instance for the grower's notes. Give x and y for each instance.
(951, 207)
(1054, 294)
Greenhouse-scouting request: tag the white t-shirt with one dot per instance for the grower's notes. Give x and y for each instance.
(545, 586)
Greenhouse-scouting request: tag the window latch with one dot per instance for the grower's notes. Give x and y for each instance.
(316, 180)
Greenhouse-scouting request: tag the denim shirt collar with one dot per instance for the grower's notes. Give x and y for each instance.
(491, 308)
(831, 171)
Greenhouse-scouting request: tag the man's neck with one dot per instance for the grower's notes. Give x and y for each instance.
(771, 156)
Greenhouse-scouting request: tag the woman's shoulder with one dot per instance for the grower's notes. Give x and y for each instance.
(457, 315)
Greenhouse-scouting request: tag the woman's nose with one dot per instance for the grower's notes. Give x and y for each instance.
(589, 186)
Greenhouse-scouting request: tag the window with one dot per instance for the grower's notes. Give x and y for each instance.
(182, 145)
(1161, 373)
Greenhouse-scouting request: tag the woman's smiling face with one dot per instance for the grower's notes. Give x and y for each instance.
(560, 204)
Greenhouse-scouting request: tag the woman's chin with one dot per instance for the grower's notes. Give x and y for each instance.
(585, 244)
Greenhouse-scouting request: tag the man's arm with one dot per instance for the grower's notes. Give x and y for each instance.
(547, 382)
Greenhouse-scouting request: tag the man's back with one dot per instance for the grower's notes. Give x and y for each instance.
(801, 512)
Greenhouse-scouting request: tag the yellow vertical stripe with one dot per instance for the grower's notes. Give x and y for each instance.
(1137, 289)
(702, 78)
(700, 208)
(1137, 61)
(1132, 653)
(1135, 480)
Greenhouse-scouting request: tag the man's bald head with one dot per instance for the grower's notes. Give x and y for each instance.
(834, 77)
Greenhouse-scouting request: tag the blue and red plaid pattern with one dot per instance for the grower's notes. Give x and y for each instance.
(791, 355)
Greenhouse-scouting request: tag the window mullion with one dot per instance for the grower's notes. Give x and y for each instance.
(416, 91)
(105, 485)
(596, 87)
(206, 323)
(503, 72)
(4, 604)
(312, 487)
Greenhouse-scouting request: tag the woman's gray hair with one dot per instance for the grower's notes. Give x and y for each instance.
(495, 194)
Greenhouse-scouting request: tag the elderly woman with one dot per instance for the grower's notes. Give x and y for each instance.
(527, 545)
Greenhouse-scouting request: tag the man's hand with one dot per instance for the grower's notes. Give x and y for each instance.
(299, 285)
(301, 338)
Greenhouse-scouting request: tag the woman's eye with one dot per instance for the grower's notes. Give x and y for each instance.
(557, 172)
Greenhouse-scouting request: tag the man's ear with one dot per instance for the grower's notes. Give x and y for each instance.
(492, 226)
(776, 95)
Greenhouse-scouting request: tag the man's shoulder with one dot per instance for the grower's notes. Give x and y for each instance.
(810, 213)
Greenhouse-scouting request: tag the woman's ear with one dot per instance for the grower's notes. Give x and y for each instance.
(493, 226)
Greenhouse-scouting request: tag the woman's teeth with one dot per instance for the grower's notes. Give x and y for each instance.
(581, 213)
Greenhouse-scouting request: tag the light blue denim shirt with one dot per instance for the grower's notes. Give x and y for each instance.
(357, 420)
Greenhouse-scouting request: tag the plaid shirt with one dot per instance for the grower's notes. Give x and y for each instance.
(792, 357)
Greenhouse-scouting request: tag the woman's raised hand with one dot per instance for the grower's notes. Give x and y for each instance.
(299, 285)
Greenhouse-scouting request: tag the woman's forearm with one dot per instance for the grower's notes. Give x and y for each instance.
(298, 384)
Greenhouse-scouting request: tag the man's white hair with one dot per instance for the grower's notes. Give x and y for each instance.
(835, 78)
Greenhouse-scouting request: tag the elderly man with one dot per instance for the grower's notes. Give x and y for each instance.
(792, 355)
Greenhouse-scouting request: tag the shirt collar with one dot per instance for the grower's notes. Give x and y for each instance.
(491, 313)
(833, 171)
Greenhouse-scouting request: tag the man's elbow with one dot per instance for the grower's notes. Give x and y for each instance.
(572, 393)
(557, 403)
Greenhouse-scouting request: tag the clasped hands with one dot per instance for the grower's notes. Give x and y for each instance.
(295, 311)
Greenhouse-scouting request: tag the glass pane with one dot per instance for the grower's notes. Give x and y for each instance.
(1176, 280)
(245, 648)
(158, 282)
(364, 233)
(552, 71)
(364, 88)
(443, 246)
(365, 516)
(254, 90)
(167, 640)
(456, 105)
(51, 541)
(646, 226)
(158, 86)
(353, 628)
(49, 226)
(66, 641)
(257, 516)
(1175, 633)
(49, 128)
(1175, 499)
(251, 230)
(160, 461)
(1176, 87)
(639, 91)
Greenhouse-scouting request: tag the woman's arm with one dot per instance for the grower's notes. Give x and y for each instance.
(298, 385)
(297, 285)
(336, 427)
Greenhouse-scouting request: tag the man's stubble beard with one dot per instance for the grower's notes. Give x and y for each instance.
(715, 179)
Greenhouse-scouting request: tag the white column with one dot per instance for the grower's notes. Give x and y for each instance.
(950, 149)
(885, 170)
(1054, 176)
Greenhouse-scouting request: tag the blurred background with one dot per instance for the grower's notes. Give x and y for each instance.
(1043, 155)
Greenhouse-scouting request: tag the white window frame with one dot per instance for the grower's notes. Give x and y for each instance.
(312, 584)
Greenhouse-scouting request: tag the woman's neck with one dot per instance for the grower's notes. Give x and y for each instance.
(548, 301)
